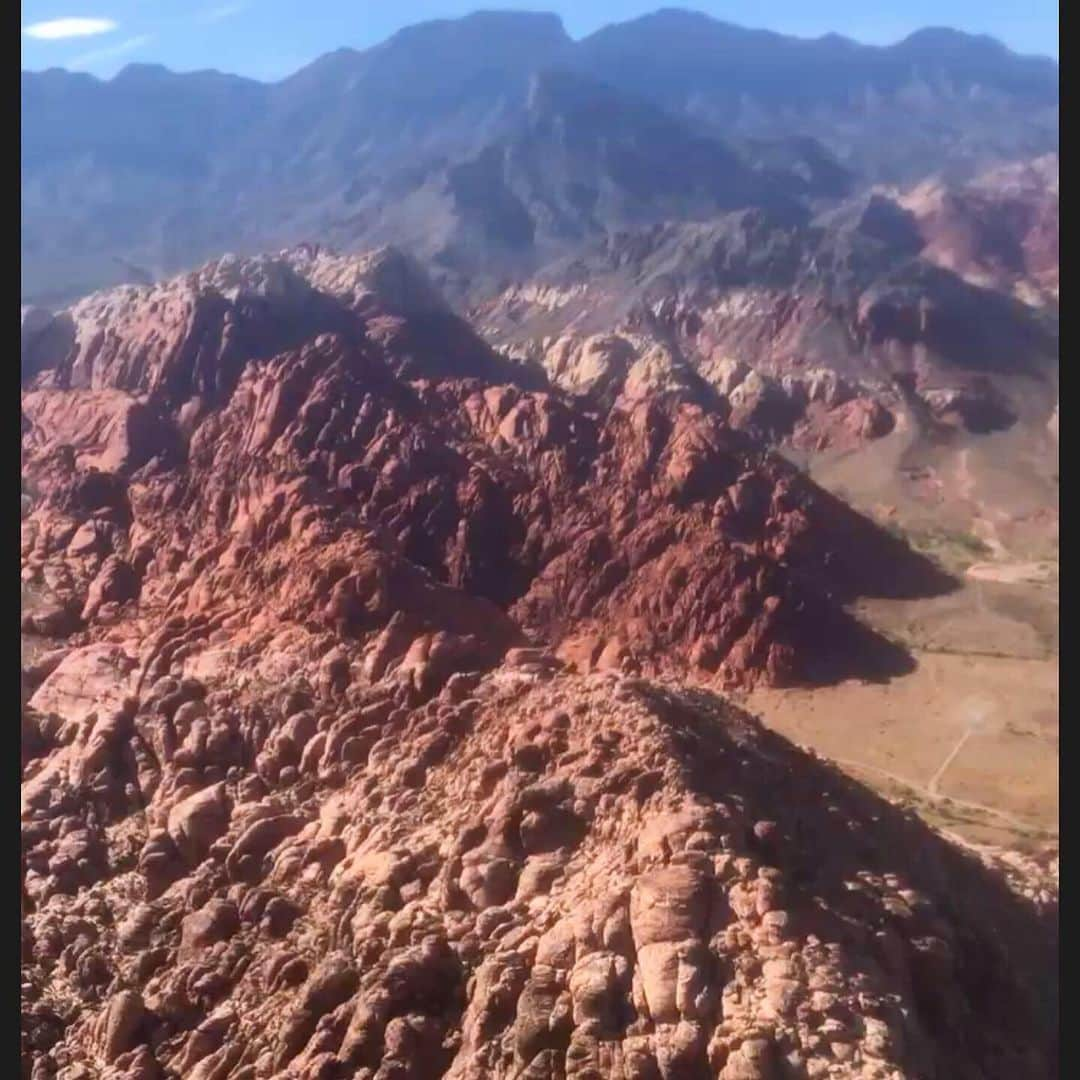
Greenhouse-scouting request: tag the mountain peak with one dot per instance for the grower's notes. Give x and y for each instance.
(487, 30)
(947, 37)
(349, 148)
(143, 72)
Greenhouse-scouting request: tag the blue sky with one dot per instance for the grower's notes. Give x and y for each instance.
(268, 39)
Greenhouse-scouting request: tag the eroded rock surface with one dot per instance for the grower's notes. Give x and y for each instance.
(554, 876)
(326, 490)
(361, 750)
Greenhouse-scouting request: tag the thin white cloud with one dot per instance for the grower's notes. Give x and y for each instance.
(59, 29)
(216, 14)
(121, 48)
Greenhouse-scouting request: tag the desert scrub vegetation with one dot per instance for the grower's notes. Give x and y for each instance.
(952, 549)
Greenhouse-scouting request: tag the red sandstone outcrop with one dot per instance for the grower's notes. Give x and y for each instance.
(1000, 231)
(342, 772)
(752, 312)
(325, 486)
(531, 875)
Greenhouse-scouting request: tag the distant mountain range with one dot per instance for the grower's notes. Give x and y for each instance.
(492, 144)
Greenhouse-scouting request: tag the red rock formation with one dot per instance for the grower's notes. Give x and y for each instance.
(783, 323)
(999, 231)
(326, 480)
(534, 874)
(310, 793)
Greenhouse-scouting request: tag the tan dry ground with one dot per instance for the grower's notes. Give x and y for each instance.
(970, 737)
(962, 499)
(897, 737)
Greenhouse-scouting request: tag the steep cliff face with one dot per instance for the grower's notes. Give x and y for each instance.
(361, 747)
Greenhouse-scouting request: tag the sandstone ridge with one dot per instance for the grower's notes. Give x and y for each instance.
(377, 734)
